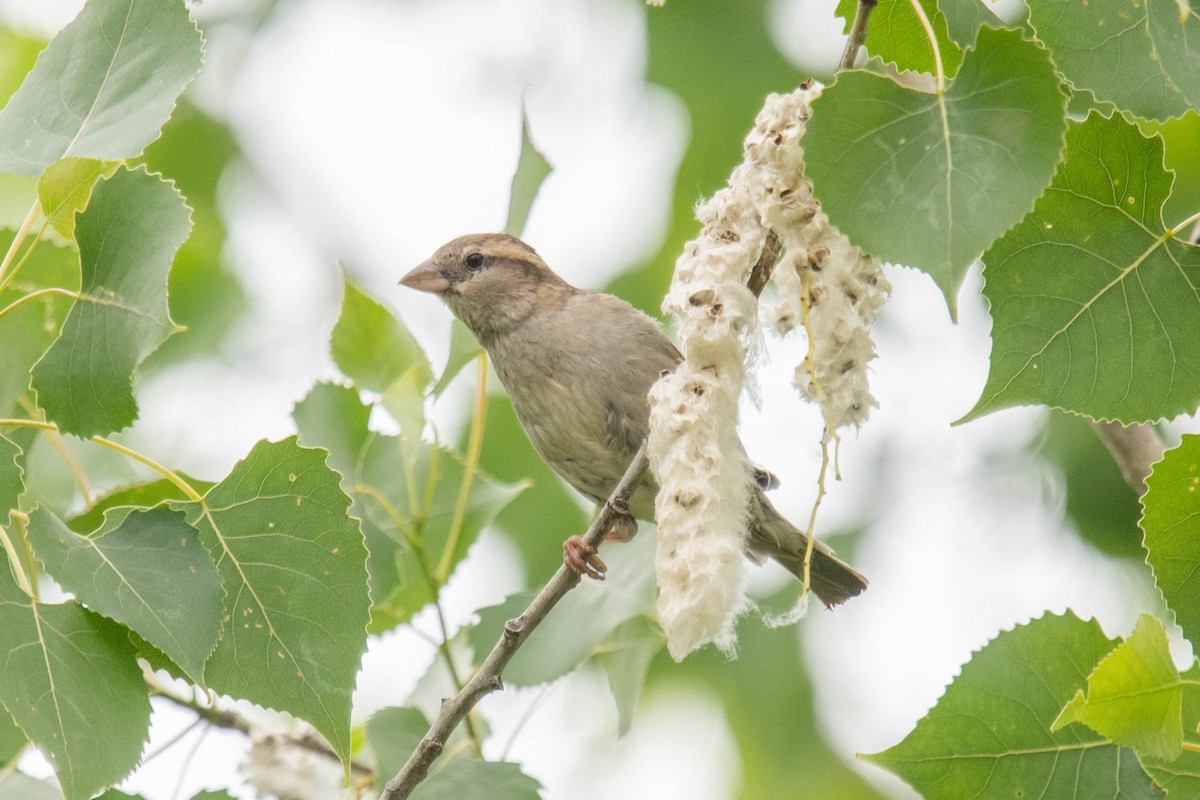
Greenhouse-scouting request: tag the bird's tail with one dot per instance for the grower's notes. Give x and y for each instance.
(832, 580)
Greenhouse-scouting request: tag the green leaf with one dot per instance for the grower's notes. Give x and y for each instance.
(532, 169)
(1093, 303)
(1141, 56)
(149, 572)
(12, 477)
(394, 734)
(30, 328)
(1134, 697)
(1171, 526)
(292, 564)
(103, 87)
(406, 502)
(930, 180)
(989, 735)
(144, 495)
(213, 795)
(71, 681)
(896, 35)
(463, 349)
(964, 18)
(65, 188)
(470, 779)
(127, 237)
(1180, 777)
(372, 347)
(626, 654)
(18, 786)
(12, 740)
(581, 621)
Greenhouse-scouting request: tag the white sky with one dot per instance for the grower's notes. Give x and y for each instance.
(381, 129)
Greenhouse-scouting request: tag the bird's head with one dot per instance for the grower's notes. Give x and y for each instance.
(491, 281)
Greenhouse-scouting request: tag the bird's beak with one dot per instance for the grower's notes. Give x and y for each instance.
(426, 278)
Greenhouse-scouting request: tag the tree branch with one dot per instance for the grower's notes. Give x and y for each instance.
(487, 678)
(1135, 448)
(858, 33)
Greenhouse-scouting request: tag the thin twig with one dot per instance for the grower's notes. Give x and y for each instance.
(487, 678)
(858, 33)
(1134, 447)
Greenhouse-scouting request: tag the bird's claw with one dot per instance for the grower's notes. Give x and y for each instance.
(580, 557)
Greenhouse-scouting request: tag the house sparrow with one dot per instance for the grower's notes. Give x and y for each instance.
(578, 366)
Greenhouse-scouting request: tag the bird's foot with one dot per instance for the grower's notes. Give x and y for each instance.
(580, 557)
(623, 529)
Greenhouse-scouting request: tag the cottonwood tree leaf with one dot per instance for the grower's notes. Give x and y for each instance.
(70, 680)
(149, 572)
(28, 329)
(12, 476)
(1094, 302)
(19, 786)
(1134, 696)
(532, 170)
(292, 564)
(989, 735)
(104, 85)
(407, 503)
(463, 350)
(144, 495)
(394, 734)
(213, 795)
(1180, 777)
(1143, 57)
(12, 739)
(66, 186)
(1171, 527)
(896, 35)
(581, 621)
(465, 778)
(127, 236)
(372, 347)
(964, 18)
(626, 654)
(930, 180)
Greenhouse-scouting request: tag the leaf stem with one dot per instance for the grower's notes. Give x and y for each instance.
(22, 232)
(937, 52)
(1193, 219)
(73, 466)
(858, 33)
(170, 475)
(37, 294)
(474, 446)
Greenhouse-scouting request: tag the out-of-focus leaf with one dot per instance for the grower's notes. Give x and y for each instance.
(205, 294)
(292, 563)
(1143, 56)
(626, 654)
(1102, 505)
(30, 328)
(532, 169)
(116, 794)
(1094, 303)
(66, 186)
(372, 347)
(213, 795)
(964, 18)
(127, 238)
(989, 735)
(149, 572)
(144, 495)
(463, 348)
(1181, 155)
(12, 476)
(581, 621)
(1171, 523)
(930, 180)
(104, 85)
(19, 786)
(18, 52)
(394, 734)
(1134, 697)
(71, 682)
(465, 778)
(896, 35)
(407, 507)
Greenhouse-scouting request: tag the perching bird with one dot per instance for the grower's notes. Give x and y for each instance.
(578, 366)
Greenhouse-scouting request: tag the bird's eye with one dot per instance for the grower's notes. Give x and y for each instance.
(474, 260)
